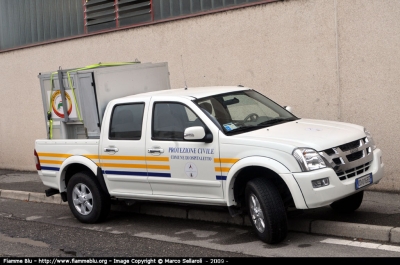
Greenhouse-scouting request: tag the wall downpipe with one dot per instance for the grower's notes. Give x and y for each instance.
(339, 89)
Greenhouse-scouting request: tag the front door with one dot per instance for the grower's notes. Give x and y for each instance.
(191, 164)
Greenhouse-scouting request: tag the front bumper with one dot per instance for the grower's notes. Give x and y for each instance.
(337, 189)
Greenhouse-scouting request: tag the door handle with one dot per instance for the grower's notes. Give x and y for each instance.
(111, 149)
(153, 150)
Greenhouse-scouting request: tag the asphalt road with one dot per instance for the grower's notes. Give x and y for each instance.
(30, 229)
(33, 229)
(378, 208)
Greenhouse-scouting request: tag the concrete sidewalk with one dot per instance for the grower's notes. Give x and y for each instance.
(377, 219)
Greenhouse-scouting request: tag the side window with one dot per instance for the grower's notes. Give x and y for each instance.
(191, 116)
(126, 122)
(171, 119)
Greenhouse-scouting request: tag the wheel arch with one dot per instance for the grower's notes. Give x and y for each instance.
(73, 165)
(250, 168)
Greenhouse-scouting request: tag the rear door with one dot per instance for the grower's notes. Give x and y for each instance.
(122, 149)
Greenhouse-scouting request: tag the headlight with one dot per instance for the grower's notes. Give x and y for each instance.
(308, 159)
(369, 139)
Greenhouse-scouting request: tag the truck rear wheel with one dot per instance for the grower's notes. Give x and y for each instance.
(266, 210)
(348, 204)
(86, 199)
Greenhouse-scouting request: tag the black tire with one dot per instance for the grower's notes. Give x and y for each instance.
(272, 210)
(348, 204)
(91, 203)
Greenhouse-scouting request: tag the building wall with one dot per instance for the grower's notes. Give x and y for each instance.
(369, 63)
(328, 59)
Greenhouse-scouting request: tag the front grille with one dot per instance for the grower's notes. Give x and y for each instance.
(349, 146)
(329, 152)
(355, 156)
(337, 161)
(350, 159)
(353, 171)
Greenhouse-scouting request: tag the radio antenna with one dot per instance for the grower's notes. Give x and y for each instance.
(183, 71)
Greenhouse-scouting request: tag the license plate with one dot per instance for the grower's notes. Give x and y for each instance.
(363, 181)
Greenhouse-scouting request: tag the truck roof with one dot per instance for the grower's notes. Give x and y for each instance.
(193, 92)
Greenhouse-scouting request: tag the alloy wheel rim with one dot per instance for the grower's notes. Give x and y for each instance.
(82, 198)
(257, 214)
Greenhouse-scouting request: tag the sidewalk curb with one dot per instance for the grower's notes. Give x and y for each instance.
(371, 232)
(16, 195)
(319, 227)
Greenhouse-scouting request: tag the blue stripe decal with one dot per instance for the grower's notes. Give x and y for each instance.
(221, 177)
(50, 168)
(164, 175)
(142, 174)
(129, 173)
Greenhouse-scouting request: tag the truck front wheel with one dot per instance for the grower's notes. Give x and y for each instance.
(348, 204)
(86, 199)
(266, 210)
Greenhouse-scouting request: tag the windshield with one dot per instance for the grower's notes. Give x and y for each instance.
(242, 111)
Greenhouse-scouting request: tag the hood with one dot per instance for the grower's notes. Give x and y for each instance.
(315, 134)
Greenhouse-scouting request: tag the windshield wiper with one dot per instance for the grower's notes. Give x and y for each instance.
(260, 125)
(275, 121)
(241, 129)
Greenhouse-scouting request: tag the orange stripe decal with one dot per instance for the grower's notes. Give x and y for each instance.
(226, 160)
(91, 156)
(158, 167)
(53, 155)
(222, 169)
(159, 158)
(123, 165)
(138, 158)
(51, 162)
(107, 157)
(134, 166)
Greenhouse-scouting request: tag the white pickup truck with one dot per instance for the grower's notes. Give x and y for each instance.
(226, 146)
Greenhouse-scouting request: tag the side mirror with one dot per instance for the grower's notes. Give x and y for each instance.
(197, 133)
(194, 133)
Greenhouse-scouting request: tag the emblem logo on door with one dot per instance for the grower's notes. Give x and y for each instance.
(191, 170)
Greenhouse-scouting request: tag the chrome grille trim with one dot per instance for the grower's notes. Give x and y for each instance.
(354, 171)
(349, 158)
